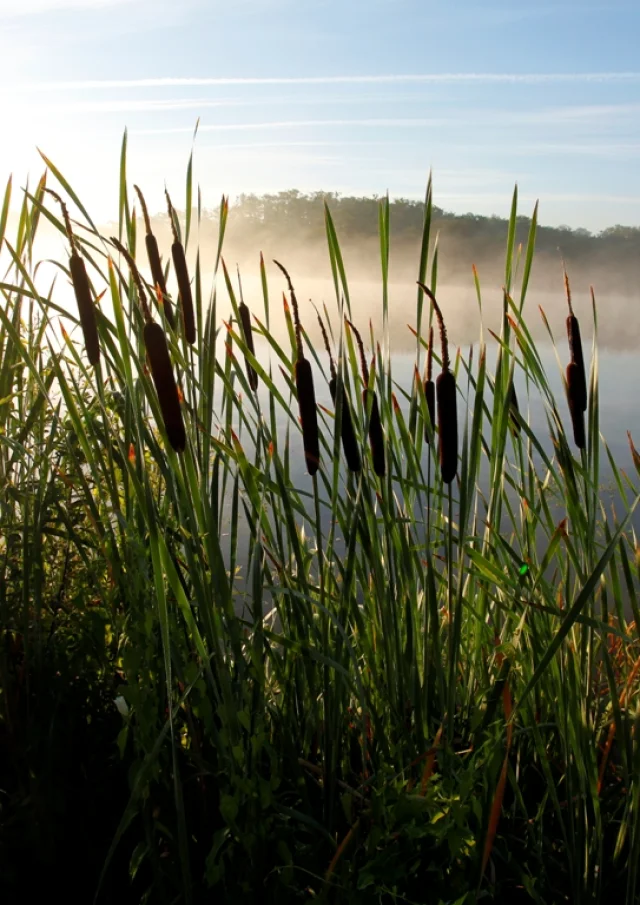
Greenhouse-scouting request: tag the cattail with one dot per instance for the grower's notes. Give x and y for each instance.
(308, 414)
(245, 320)
(306, 393)
(182, 276)
(575, 350)
(430, 388)
(376, 436)
(155, 343)
(347, 432)
(446, 395)
(163, 378)
(82, 290)
(574, 390)
(153, 254)
(370, 397)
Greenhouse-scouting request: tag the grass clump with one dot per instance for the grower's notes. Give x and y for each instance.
(220, 677)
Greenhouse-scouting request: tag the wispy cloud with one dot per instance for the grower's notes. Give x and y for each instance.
(483, 117)
(531, 78)
(14, 9)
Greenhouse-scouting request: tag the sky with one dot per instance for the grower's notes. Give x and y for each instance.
(358, 96)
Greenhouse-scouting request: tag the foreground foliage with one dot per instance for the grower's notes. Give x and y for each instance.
(221, 676)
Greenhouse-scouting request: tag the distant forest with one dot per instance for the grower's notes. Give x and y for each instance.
(292, 222)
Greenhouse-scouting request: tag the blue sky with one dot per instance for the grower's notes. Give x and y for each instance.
(352, 96)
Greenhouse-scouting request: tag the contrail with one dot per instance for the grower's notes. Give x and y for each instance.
(526, 78)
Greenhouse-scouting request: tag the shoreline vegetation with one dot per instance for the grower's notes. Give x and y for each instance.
(408, 687)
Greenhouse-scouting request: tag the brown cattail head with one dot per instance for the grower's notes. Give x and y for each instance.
(376, 436)
(347, 432)
(245, 319)
(182, 276)
(86, 309)
(81, 289)
(575, 347)
(164, 381)
(574, 390)
(430, 396)
(247, 331)
(430, 387)
(184, 290)
(447, 425)
(308, 414)
(514, 409)
(155, 264)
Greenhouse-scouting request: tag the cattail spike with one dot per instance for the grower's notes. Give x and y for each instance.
(136, 278)
(245, 320)
(574, 390)
(514, 409)
(567, 287)
(145, 212)
(447, 425)
(308, 414)
(443, 330)
(376, 435)
(66, 218)
(81, 289)
(164, 381)
(363, 359)
(430, 355)
(296, 313)
(332, 364)
(171, 212)
(182, 275)
(347, 432)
